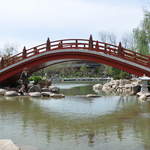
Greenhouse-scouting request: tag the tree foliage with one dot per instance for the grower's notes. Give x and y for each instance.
(117, 74)
(139, 40)
(36, 79)
(142, 35)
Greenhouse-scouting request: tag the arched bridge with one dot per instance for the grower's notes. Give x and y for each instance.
(58, 51)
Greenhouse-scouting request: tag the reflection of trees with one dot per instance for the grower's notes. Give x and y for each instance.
(91, 135)
(142, 125)
(37, 117)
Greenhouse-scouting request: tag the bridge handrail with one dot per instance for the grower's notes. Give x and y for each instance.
(81, 43)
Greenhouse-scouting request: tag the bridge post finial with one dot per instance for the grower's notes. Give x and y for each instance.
(91, 41)
(24, 52)
(2, 62)
(120, 44)
(120, 48)
(36, 50)
(48, 44)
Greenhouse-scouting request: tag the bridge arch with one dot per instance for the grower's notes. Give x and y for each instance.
(75, 49)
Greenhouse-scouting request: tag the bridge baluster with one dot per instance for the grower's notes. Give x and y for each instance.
(76, 43)
(60, 45)
(36, 51)
(97, 45)
(48, 45)
(24, 54)
(2, 62)
(120, 49)
(105, 48)
(91, 42)
(135, 56)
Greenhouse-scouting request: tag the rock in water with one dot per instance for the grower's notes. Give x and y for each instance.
(2, 91)
(143, 96)
(35, 94)
(8, 145)
(92, 95)
(45, 83)
(11, 93)
(97, 87)
(46, 94)
(57, 95)
(54, 89)
(45, 90)
(34, 88)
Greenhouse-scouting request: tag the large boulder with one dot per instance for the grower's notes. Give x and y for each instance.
(54, 89)
(108, 87)
(124, 81)
(46, 94)
(11, 93)
(45, 83)
(35, 94)
(97, 87)
(31, 83)
(2, 91)
(143, 96)
(45, 90)
(34, 88)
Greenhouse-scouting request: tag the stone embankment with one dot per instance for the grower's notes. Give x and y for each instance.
(123, 87)
(126, 87)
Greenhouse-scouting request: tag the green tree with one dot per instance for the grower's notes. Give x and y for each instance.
(36, 79)
(142, 35)
(117, 74)
(84, 70)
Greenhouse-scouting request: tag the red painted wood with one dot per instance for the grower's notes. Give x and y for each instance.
(106, 48)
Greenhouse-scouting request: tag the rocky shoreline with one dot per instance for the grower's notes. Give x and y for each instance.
(34, 91)
(123, 87)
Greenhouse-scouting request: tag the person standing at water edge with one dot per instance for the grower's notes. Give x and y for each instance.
(24, 78)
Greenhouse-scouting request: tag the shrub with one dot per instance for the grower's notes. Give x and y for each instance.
(36, 79)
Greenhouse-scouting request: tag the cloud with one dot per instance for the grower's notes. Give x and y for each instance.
(33, 20)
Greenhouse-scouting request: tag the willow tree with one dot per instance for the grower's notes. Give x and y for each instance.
(142, 35)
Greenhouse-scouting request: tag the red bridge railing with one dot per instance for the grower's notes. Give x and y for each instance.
(90, 44)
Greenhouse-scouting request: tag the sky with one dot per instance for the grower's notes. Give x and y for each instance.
(29, 22)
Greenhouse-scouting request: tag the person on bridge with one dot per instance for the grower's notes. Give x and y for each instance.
(24, 80)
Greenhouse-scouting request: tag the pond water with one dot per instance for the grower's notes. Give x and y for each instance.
(76, 122)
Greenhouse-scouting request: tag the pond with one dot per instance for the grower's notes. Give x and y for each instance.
(76, 122)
